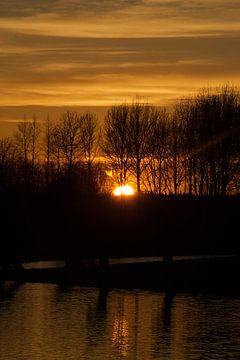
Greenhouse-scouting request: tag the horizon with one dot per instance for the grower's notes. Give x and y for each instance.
(12, 115)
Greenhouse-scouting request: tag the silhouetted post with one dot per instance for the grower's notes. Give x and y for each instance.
(18, 267)
(104, 262)
(167, 306)
(167, 259)
(102, 301)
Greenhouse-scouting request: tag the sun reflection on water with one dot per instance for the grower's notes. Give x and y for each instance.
(120, 336)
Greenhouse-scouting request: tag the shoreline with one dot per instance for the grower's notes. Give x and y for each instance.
(208, 274)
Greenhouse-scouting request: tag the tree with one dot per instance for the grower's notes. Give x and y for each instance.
(210, 140)
(89, 142)
(67, 140)
(7, 162)
(48, 150)
(141, 117)
(175, 154)
(35, 132)
(115, 142)
(26, 138)
(155, 172)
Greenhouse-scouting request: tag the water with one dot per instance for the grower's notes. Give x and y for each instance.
(45, 321)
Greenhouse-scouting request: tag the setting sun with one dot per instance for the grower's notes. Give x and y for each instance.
(125, 190)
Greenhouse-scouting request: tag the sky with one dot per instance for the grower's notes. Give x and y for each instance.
(75, 53)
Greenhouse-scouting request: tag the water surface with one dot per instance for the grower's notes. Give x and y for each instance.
(46, 321)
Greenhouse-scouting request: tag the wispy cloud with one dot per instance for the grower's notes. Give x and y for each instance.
(104, 51)
(107, 18)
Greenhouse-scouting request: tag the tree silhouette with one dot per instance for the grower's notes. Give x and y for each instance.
(8, 162)
(211, 125)
(192, 149)
(26, 141)
(67, 140)
(141, 118)
(175, 154)
(89, 143)
(115, 141)
(155, 172)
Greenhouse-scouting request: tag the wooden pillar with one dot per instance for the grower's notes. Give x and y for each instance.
(103, 262)
(167, 259)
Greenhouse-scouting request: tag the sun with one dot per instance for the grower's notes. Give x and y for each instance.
(124, 190)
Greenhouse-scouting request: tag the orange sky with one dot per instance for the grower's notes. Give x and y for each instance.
(101, 52)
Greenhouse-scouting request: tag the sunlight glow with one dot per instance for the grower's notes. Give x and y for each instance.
(125, 190)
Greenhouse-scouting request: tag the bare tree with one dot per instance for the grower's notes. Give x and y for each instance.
(155, 171)
(35, 132)
(141, 117)
(8, 162)
(67, 139)
(115, 142)
(48, 150)
(23, 140)
(26, 138)
(210, 126)
(89, 140)
(175, 154)
(193, 150)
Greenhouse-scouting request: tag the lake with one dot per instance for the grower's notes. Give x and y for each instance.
(47, 321)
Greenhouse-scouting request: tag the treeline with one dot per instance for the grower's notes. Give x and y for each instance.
(50, 154)
(192, 149)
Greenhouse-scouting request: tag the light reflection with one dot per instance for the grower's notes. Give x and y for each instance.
(120, 336)
(90, 323)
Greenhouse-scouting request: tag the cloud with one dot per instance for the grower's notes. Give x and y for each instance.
(105, 71)
(27, 8)
(107, 18)
(102, 51)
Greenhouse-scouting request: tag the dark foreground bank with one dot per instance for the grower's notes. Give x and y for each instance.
(205, 274)
(58, 225)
